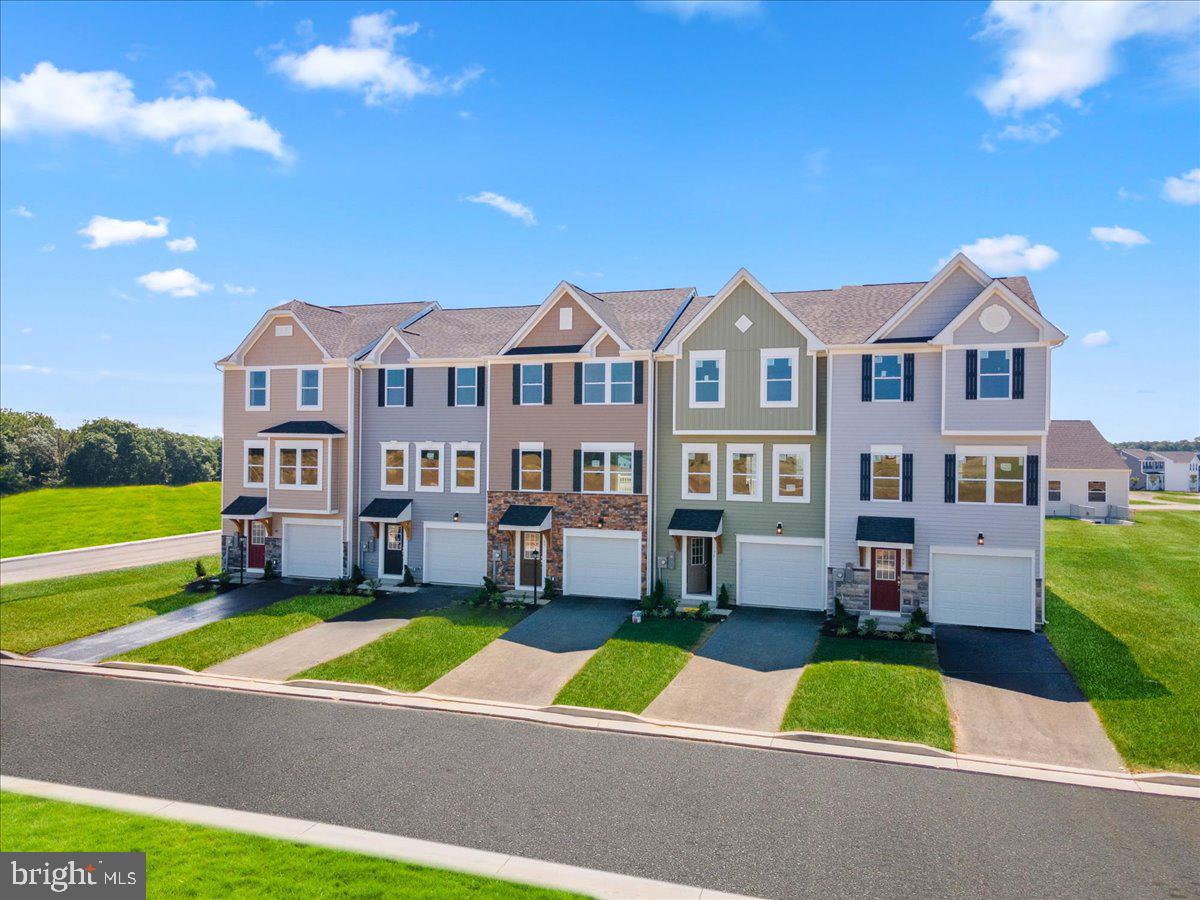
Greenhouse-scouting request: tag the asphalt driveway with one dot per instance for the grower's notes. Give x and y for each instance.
(533, 660)
(1012, 697)
(744, 675)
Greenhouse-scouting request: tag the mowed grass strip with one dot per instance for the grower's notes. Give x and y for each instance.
(219, 641)
(634, 665)
(880, 689)
(51, 519)
(1123, 612)
(195, 861)
(37, 614)
(422, 652)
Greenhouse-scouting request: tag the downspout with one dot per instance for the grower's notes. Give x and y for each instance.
(351, 449)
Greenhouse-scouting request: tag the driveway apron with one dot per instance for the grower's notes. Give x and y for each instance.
(1012, 697)
(101, 646)
(744, 675)
(533, 660)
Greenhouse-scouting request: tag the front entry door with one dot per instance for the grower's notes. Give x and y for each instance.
(531, 551)
(885, 579)
(257, 553)
(393, 550)
(699, 566)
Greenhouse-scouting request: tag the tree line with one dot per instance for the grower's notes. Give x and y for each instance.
(1193, 444)
(35, 452)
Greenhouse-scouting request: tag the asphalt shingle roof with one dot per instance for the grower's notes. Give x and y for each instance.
(1178, 456)
(463, 333)
(639, 317)
(1077, 444)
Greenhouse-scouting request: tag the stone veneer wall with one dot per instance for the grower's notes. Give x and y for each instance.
(231, 559)
(621, 513)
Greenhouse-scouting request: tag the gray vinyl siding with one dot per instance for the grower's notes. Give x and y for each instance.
(1027, 415)
(1019, 328)
(428, 419)
(757, 518)
(856, 425)
(743, 360)
(938, 309)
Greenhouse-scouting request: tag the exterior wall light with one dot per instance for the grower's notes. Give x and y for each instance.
(456, 517)
(779, 528)
(979, 539)
(600, 524)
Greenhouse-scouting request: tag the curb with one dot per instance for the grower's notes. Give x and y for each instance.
(170, 537)
(1171, 784)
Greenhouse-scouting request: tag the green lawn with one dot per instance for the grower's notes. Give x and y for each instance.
(184, 860)
(65, 518)
(40, 614)
(634, 665)
(876, 689)
(219, 641)
(423, 651)
(1123, 612)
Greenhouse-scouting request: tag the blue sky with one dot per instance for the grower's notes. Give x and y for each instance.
(476, 155)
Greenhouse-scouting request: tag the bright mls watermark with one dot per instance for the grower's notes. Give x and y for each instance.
(104, 876)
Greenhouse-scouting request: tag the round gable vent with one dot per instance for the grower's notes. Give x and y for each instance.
(995, 318)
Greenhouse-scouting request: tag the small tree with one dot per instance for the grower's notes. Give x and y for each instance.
(723, 598)
(201, 572)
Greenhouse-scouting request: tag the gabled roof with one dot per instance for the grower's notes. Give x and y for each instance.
(1047, 330)
(1078, 444)
(1135, 452)
(1176, 456)
(457, 333)
(314, 427)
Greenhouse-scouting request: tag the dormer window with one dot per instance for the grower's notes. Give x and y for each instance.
(995, 374)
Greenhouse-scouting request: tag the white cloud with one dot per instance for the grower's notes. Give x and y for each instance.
(22, 211)
(367, 63)
(1128, 195)
(47, 248)
(27, 368)
(26, 330)
(1054, 50)
(687, 10)
(238, 289)
(182, 245)
(1185, 189)
(1126, 237)
(196, 84)
(1096, 338)
(1025, 132)
(816, 162)
(1010, 253)
(176, 282)
(105, 232)
(57, 102)
(505, 205)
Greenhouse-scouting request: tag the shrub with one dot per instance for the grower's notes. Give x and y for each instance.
(869, 627)
(843, 632)
(335, 586)
(660, 591)
(356, 575)
(549, 591)
(919, 618)
(269, 570)
(408, 581)
(723, 598)
(201, 572)
(704, 610)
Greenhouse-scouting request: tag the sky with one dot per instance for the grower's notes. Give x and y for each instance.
(170, 171)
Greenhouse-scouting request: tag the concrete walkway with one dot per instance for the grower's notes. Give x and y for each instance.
(745, 674)
(61, 563)
(537, 656)
(1012, 697)
(105, 644)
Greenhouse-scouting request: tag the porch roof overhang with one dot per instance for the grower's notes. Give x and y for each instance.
(525, 518)
(387, 510)
(247, 508)
(710, 522)
(303, 428)
(888, 531)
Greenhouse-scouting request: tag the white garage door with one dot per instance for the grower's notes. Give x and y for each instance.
(790, 576)
(976, 589)
(312, 551)
(600, 563)
(454, 555)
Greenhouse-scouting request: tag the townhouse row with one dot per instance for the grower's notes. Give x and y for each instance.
(881, 443)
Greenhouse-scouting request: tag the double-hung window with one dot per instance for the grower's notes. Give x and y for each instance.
(1097, 492)
(995, 374)
(533, 384)
(699, 472)
(255, 472)
(607, 469)
(607, 382)
(298, 466)
(886, 377)
(465, 385)
(308, 389)
(743, 467)
(791, 473)
(1008, 479)
(393, 475)
(466, 468)
(531, 467)
(780, 377)
(429, 467)
(706, 378)
(395, 387)
(990, 476)
(258, 388)
(885, 473)
(1054, 491)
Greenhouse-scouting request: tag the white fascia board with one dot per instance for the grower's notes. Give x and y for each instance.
(389, 337)
(563, 288)
(958, 261)
(1047, 331)
(373, 349)
(239, 355)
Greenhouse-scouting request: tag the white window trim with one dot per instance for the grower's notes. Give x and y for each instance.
(384, 447)
(608, 382)
(979, 375)
(900, 359)
(247, 446)
(475, 390)
(607, 449)
(267, 407)
(521, 376)
(990, 454)
(320, 386)
(695, 356)
(897, 451)
(1049, 488)
(711, 450)
(1088, 490)
(454, 451)
(403, 390)
(441, 469)
(730, 450)
(804, 451)
(566, 318)
(792, 354)
(531, 447)
(280, 446)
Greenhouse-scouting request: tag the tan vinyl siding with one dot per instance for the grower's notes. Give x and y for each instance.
(270, 350)
(608, 347)
(546, 332)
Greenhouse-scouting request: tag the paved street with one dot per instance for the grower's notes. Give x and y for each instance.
(17, 569)
(757, 822)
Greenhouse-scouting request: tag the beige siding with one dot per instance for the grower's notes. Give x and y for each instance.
(608, 347)
(270, 350)
(546, 332)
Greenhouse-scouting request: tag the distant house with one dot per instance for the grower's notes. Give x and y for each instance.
(1145, 473)
(1085, 476)
(1181, 469)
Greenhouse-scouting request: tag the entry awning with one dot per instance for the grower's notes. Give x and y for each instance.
(526, 518)
(246, 508)
(891, 531)
(387, 510)
(696, 521)
(303, 428)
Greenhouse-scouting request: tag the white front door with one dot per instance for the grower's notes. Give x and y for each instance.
(989, 589)
(780, 573)
(312, 550)
(599, 563)
(454, 554)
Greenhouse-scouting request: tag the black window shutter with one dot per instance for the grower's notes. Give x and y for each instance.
(972, 374)
(546, 469)
(637, 471)
(1032, 480)
(450, 386)
(577, 465)
(516, 469)
(906, 477)
(638, 381)
(382, 386)
(866, 378)
(864, 476)
(409, 388)
(548, 383)
(480, 385)
(910, 363)
(1018, 373)
(578, 382)
(951, 464)
(516, 385)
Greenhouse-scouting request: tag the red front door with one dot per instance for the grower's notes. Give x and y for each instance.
(256, 554)
(885, 579)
